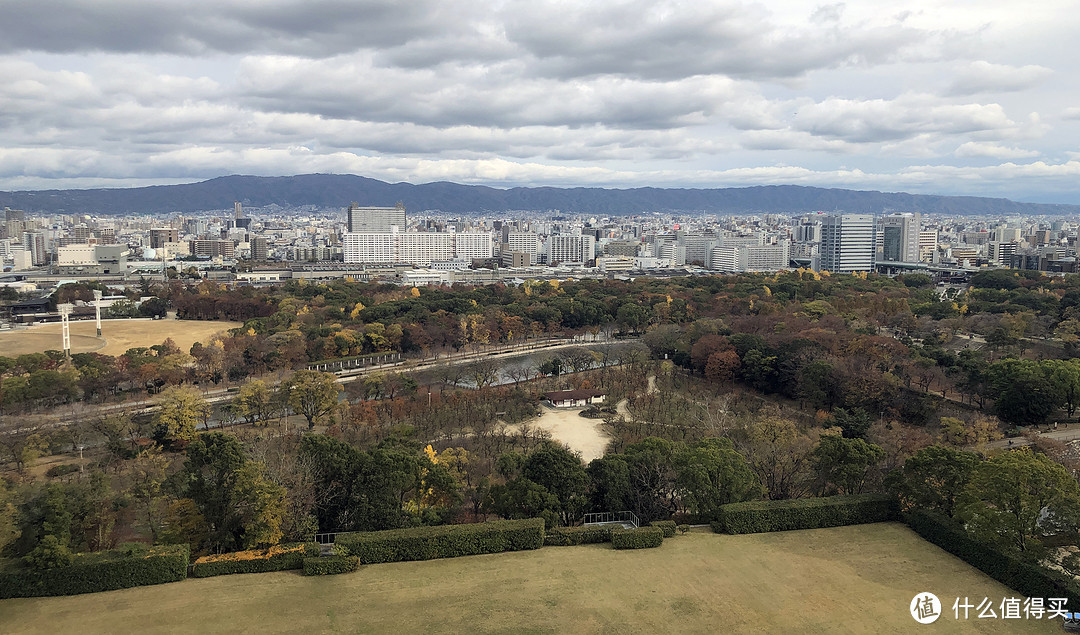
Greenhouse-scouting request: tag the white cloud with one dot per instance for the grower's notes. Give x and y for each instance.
(993, 150)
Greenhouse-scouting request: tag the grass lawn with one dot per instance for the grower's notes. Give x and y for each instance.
(117, 335)
(857, 579)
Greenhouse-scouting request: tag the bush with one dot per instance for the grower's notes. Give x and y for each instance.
(668, 526)
(684, 529)
(61, 470)
(804, 513)
(1027, 578)
(569, 536)
(330, 565)
(444, 541)
(277, 558)
(102, 571)
(637, 538)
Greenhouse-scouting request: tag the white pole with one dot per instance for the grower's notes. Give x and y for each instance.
(97, 311)
(65, 312)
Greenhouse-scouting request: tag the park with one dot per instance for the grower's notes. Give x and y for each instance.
(854, 579)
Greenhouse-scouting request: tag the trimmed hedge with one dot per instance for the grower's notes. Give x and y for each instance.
(103, 571)
(443, 541)
(330, 565)
(804, 513)
(280, 558)
(637, 538)
(1026, 578)
(569, 536)
(667, 525)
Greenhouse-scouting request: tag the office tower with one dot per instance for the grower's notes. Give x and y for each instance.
(34, 242)
(847, 243)
(900, 237)
(238, 209)
(366, 220)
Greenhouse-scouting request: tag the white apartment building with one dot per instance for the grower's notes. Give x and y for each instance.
(749, 258)
(570, 248)
(423, 248)
(928, 245)
(611, 264)
(76, 255)
(370, 247)
(847, 243)
(469, 245)
(526, 242)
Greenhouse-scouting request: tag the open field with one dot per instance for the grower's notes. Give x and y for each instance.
(579, 433)
(857, 579)
(117, 335)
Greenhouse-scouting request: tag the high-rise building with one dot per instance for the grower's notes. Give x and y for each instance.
(847, 243)
(570, 248)
(34, 242)
(928, 245)
(260, 248)
(366, 220)
(238, 209)
(469, 245)
(900, 237)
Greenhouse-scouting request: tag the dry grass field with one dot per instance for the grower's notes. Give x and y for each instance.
(117, 336)
(857, 579)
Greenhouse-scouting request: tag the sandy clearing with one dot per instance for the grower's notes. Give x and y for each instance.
(581, 434)
(118, 335)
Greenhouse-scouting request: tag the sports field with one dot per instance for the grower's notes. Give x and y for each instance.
(116, 335)
(844, 580)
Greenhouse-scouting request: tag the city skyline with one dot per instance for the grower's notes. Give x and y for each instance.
(970, 100)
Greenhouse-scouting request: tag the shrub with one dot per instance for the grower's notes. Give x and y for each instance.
(637, 538)
(568, 536)
(277, 558)
(330, 565)
(102, 571)
(804, 513)
(1027, 578)
(61, 470)
(684, 529)
(668, 526)
(443, 541)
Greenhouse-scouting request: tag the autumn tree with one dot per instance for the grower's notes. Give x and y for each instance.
(179, 412)
(313, 394)
(255, 402)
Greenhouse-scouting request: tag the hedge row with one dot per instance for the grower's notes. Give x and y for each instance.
(637, 538)
(804, 513)
(279, 558)
(668, 526)
(443, 541)
(1026, 578)
(569, 536)
(90, 573)
(330, 565)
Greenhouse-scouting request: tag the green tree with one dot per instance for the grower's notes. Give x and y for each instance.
(560, 472)
(711, 473)
(933, 479)
(179, 412)
(521, 498)
(609, 483)
(843, 465)
(1023, 391)
(1064, 375)
(240, 507)
(1018, 497)
(9, 527)
(313, 394)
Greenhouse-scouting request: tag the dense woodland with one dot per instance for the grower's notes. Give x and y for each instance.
(764, 387)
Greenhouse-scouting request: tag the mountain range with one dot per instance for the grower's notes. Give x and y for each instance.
(338, 190)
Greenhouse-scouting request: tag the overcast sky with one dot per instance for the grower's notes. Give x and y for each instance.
(972, 97)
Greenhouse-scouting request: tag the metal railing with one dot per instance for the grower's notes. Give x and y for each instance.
(603, 518)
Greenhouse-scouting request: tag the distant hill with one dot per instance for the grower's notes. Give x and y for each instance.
(337, 190)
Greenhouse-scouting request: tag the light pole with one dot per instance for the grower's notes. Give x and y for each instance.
(65, 313)
(97, 310)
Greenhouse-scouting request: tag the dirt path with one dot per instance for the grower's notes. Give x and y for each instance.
(623, 409)
(581, 434)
